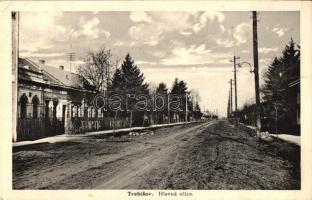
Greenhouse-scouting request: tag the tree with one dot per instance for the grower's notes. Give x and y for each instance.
(128, 80)
(197, 112)
(162, 90)
(98, 68)
(280, 73)
(291, 61)
(277, 95)
(180, 89)
(276, 86)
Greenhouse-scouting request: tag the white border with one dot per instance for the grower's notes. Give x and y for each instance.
(305, 8)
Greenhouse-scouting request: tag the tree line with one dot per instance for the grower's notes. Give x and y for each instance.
(101, 69)
(280, 105)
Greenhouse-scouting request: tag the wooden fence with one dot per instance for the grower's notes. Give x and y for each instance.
(30, 128)
(82, 125)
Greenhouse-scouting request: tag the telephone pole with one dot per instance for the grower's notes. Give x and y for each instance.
(231, 96)
(235, 81)
(15, 51)
(71, 55)
(168, 104)
(228, 108)
(186, 107)
(256, 71)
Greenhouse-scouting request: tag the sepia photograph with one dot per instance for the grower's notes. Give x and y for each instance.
(156, 100)
(201, 100)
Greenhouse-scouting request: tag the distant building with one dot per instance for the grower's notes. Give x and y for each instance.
(293, 98)
(294, 102)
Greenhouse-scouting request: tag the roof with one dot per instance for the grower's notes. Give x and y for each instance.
(66, 78)
(52, 75)
(27, 64)
(28, 71)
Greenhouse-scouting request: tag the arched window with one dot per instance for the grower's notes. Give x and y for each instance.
(55, 103)
(89, 112)
(35, 102)
(23, 106)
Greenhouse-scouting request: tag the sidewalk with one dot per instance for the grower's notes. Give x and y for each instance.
(66, 137)
(288, 138)
(294, 139)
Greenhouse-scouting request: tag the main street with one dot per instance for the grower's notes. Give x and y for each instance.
(206, 155)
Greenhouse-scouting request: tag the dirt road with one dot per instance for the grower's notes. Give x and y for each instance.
(210, 155)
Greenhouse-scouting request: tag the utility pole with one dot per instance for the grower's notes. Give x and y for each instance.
(231, 96)
(186, 107)
(168, 104)
(256, 71)
(235, 81)
(15, 50)
(71, 55)
(235, 88)
(228, 108)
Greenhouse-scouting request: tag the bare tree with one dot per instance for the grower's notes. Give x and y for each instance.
(98, 68)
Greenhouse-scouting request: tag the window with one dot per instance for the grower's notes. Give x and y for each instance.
(47, 102)
(23, 106)
(35, 104)
(55, 103)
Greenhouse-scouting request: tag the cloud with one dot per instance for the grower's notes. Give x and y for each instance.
(41, 55)
(39, 30)
(279, 31)
(245, 51)
(241, 32)
(265, 61)
(223, 29)
(208, 16)
(140, 17)
(51, 31)
(118, 43)
(185, 33)
(42, 21)
(194, 55)
(143, 62)
(90, 28)
(225, 43)
(145, 34)
(163, 23)
(34, 46)
(158, 54)
(152, 42)
(173, 21)
(267, 50)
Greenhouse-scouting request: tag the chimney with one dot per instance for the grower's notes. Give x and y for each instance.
(61, 67)
(41, 63)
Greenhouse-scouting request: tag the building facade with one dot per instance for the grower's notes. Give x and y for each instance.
(52, 101)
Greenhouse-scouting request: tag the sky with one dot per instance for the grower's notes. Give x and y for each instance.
(192, 46)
